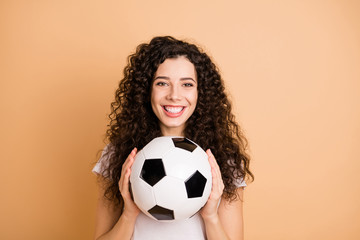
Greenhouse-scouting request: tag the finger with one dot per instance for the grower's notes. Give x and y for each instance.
(129, 159)
(210, 158)
(217, 167)
(214, 163)
(214, 179)
(125, 183)
(214, 160)
(121, 180)
(131, 156)
(217, 172)
(120, 183)
(126, 166)
(216, 190)
(214, 171)
(133, 152)
(125, 179)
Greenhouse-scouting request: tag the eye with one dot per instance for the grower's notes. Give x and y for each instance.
(188, 85)
(161, 84)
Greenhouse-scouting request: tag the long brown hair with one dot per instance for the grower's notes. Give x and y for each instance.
(212, 125)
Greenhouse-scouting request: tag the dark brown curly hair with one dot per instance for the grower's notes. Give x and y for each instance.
(212, 125)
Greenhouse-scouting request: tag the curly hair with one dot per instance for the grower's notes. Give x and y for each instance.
(212, 125)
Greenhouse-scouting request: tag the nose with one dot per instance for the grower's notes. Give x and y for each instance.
(174, 93)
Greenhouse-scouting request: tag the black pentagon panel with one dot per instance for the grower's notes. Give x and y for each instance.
(184, 143)
(161, 213)
(195, 185)
(152, 171)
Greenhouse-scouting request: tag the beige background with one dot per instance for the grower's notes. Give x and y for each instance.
(292, 69)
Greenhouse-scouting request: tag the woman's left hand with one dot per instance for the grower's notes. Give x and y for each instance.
(209, 211)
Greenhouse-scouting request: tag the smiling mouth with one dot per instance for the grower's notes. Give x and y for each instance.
(173, 109)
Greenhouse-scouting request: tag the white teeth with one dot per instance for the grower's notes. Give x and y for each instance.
(173, 109)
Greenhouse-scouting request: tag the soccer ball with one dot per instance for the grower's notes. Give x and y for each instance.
(170, 178)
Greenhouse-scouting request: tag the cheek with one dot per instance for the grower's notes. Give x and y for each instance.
(153, 96)
(195, 97)
(153, 100)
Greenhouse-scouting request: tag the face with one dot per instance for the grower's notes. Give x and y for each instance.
(174, 94)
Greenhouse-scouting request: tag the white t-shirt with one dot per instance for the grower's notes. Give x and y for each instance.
(148, 229)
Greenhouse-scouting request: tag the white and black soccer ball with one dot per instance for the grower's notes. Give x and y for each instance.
(170, 178)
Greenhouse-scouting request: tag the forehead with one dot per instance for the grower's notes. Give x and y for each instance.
(176, 67)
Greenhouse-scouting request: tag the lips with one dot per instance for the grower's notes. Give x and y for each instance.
(173, 111)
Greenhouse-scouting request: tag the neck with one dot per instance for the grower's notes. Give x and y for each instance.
(172, 132)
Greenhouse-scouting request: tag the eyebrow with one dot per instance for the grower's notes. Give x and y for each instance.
(167, 78)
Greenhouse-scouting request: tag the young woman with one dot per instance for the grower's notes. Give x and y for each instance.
(172, 88)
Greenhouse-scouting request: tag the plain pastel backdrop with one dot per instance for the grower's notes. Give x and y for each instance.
(292, 69)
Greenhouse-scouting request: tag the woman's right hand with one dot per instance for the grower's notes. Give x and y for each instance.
(131, 211)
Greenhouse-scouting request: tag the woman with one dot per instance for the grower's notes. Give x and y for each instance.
(171, 88)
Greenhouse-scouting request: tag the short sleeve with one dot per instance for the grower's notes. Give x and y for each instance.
(239, 182)
(103, 161)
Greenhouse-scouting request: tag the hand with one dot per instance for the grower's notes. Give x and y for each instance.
(209, 211)
(130, 209)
